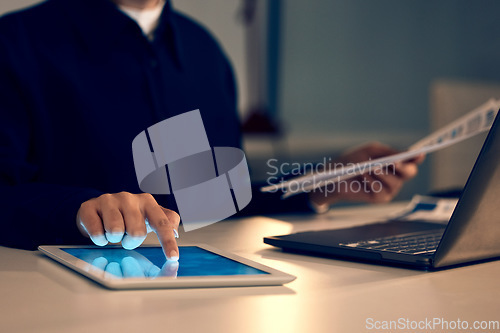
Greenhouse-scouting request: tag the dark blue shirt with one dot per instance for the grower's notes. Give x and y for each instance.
(78, 81)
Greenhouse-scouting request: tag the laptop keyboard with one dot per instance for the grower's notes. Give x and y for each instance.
(409, 244)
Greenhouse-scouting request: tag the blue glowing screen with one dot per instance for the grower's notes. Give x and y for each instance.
(150, 262)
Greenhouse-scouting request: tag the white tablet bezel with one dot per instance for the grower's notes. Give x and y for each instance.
(273, 278)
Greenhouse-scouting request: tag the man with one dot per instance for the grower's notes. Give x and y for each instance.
(79, 80)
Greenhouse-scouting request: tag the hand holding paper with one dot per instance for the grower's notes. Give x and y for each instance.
(473, 123)
(376, 185)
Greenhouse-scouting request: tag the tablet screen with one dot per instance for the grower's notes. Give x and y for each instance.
(150, 262)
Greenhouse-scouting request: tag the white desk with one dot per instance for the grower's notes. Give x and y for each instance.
(39, 295)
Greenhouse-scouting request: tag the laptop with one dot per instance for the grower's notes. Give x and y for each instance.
(472, 234)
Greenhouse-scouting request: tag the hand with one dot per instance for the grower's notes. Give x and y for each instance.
(121, 217)
(374, 186)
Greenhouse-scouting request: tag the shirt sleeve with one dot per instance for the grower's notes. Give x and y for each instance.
(33, 213)
(272, 203)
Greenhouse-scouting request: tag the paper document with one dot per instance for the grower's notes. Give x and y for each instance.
(476, 121)
(424, 208)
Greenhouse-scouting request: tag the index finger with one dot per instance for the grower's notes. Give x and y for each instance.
(165, 223)
(417, 159)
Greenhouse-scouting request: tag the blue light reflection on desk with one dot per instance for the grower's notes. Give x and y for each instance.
(150, 262)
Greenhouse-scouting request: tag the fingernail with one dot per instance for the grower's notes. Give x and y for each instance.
(99, 240)
(114, 237)
(173, 256)
(131, 242)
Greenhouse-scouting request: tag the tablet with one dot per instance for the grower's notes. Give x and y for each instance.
(199, 266)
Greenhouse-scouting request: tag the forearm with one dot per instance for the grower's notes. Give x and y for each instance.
(272, 203)
(37, 213)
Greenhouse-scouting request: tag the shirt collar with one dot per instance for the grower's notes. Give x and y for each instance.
(147, 19)
(100, 23)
